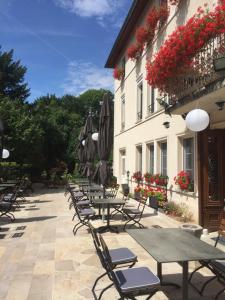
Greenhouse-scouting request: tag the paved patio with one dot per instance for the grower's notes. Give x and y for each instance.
(40, 258)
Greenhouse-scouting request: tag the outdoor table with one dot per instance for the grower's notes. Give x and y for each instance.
(2, 188)
(168, 245)
(95, 195)
(5, 184)
(108, 202)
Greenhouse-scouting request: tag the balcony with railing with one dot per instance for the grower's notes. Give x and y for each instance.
(200, 78)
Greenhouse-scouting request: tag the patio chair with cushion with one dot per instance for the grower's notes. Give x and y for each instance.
(217, 267)
(135, 214)
(131, 282)
(6, 209)
(120, 257)
(84, 215)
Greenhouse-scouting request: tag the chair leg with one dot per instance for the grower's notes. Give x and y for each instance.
(205, 284)
(95, 283)
(74, 216)
(78, 229)
(76, 225)
(196, 270)
(105, 289)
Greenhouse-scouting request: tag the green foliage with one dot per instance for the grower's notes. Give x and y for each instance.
(12, 77)
(43, 133)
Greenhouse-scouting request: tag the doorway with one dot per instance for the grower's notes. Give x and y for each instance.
(211, 177)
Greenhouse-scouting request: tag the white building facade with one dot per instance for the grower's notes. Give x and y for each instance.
(148, 140)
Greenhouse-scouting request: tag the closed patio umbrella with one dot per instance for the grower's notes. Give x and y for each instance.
(89, 148)
(105, 141)
(80, 151)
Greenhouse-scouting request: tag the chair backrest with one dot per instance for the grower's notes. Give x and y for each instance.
(125, 189)
(94, 236)
(107, 257)
(221, 231)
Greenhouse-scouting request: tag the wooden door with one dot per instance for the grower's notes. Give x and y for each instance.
(211, 177)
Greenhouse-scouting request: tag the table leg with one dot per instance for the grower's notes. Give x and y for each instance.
(159, 274)
(108, 213)
(185, 281)
(159, 271)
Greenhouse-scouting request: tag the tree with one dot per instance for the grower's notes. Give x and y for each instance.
(12, 77)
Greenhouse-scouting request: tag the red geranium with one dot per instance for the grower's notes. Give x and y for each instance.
(177, 54)
(118, 73)
(135, 51)
(183, 180)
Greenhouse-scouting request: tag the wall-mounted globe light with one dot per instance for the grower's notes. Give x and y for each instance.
(95, 136)
(5, 153)
(83, 142)
(197, 120)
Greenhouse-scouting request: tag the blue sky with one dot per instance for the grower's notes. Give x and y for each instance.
(63, 43)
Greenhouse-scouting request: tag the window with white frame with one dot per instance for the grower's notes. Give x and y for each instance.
(151, 100)
(188, 156)
(139, 101)
(139, 158)
(163, 158)
(123, 162)
(151, 158)
(122, 112)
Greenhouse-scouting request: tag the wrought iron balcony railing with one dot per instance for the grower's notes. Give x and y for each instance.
(201, 74)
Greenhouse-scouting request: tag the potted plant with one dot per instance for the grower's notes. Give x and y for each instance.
(118, 73)
(184, 181)
(161, 179)
(137, 192)
(137, 176)
(149, 178)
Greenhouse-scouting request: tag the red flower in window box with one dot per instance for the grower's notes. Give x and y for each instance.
(118, 73)
(177, 54)
(144, 35)
(134, 52)
(184, 181)
(137, 176)
(163, 13)
(149, 178)
(153, 18)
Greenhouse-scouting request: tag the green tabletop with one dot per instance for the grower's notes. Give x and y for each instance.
(174, 245)
(7, 184)
(2, 188)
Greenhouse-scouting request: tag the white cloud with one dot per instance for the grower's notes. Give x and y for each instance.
(85, 75)
(92, 8)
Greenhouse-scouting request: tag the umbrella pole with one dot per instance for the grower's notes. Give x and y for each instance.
(103, 206)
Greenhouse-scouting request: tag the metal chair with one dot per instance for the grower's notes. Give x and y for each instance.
(131, 282)
(84, 215)
(217, 267)
(120, 257)
(135, 214)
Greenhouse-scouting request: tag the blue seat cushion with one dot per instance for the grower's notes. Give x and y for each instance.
(83, 202)
(122, 256)
(136, 279)
(87, 212)
(219, 265)
(132, 211)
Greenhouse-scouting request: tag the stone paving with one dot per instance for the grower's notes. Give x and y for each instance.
(40, 258)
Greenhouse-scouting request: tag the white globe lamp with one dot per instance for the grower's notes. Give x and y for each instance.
(95, 136)
(83, 142)
(197, 120)
(5, 153)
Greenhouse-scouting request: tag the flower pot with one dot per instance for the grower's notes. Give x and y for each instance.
(137, 195)
(153, 202)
